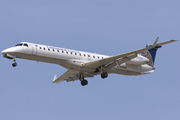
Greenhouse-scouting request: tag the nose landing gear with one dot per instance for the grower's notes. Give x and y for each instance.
(14, 64)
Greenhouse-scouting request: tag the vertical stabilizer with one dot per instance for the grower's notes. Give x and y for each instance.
(151, 54)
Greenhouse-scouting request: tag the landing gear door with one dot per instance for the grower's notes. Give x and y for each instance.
(34, 49)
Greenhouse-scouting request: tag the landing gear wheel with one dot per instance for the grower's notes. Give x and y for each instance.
(14, 64)
(104, 75)
(84, 82)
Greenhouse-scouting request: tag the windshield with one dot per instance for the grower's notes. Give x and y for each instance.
(19, 44)
(25, 44)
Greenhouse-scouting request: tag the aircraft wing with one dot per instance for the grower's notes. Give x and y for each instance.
(109, 63)
(121, 57)
(70, 75)
(67, 74)
(75, 77)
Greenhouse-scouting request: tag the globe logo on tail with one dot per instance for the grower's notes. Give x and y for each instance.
(148, 55)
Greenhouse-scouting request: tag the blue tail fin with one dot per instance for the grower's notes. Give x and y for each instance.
(151, 54)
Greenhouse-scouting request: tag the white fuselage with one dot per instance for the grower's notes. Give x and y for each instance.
(73, 59)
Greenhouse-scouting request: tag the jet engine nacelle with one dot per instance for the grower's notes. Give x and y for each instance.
(138, 61)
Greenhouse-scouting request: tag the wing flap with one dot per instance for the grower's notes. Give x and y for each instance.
(73, 78)
(67, 74)
(71, 75)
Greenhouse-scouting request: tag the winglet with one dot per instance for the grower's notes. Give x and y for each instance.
(154, 44)
(55, 77)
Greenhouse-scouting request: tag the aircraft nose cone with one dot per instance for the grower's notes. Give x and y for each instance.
(9, 50)
(4, 51)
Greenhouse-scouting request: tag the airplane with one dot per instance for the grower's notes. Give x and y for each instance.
(83, 65)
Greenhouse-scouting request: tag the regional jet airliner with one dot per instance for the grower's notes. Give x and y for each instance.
(82, 65)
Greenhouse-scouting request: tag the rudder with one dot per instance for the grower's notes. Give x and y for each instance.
(151, 54)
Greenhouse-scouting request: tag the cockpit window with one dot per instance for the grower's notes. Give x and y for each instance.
(19, 44)
(25, 44)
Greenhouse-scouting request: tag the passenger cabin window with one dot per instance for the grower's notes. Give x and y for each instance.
(25, 44)
(84, 55)
(53, 49)
(57, 50)
(48, 49)
(44, 49)
(62, 51)
(93, 56)
(19, 44)
(75, 53)
(80, 54)
(39, 47)
(67, 52)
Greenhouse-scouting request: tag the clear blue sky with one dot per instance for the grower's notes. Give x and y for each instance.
(108, 27)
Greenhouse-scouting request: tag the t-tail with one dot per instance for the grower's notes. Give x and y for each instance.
(151, 53)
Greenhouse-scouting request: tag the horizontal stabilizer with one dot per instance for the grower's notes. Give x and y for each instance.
(166, 42)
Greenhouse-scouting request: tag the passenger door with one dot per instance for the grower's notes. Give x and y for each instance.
(34, 49)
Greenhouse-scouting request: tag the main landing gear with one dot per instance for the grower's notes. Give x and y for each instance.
(101, 69)
(81, 78)
(104, 75)
(14, 64)
(84, 82)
